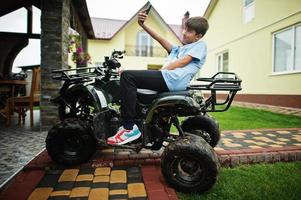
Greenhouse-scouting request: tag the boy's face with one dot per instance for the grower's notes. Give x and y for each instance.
(190, 36)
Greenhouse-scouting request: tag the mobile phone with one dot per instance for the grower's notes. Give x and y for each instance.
(148, 9)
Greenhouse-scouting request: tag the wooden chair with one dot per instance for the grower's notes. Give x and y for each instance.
(23, 103)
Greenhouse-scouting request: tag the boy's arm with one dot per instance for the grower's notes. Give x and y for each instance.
(181, 62)
(165, 44)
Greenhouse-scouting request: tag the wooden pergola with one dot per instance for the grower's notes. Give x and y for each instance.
(57, 16)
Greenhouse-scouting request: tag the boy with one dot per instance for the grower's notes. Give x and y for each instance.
(181, 66)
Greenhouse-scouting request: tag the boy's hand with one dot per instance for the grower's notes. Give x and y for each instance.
(119, 70)
(142, 17)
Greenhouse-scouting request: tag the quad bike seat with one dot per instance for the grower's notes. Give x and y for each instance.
(146, 96)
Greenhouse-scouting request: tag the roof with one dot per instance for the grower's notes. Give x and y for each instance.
(83, 13)
(106, 29)
(210, 8)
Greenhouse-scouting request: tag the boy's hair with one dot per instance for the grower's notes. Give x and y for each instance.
(198, 24)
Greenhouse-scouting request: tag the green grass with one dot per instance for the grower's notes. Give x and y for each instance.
(237, 118)
(260, 181)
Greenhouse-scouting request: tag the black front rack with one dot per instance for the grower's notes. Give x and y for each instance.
(82, 74)
(228, 82)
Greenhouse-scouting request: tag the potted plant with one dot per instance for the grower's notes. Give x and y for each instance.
(79, 56)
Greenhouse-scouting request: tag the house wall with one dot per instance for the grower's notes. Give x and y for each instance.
(127, 36)
(250, 45)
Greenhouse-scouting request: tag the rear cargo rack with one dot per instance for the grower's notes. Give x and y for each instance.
(222, 83)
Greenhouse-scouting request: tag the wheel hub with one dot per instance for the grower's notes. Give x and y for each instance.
(189, 166)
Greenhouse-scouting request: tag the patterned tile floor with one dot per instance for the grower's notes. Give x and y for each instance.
(128, 182)
(91, 183)
(18, 145)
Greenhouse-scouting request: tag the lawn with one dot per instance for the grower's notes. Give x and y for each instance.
(237, 118)
(260, 181)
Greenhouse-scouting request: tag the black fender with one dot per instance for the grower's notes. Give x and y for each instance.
(97, 95)
(178, 104)
(197, 123)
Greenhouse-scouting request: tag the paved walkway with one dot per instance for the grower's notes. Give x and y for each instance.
(121, 173)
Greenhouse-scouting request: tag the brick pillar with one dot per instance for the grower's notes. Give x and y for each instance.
(54, 55)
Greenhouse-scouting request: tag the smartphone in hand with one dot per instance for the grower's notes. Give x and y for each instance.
(148, 9)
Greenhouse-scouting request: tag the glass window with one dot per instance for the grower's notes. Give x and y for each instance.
(223, 62)
(248, 2)
(298, 48)
(144, 44)
(283, 51)
(287, 50)
(249, 10)
(226, 62)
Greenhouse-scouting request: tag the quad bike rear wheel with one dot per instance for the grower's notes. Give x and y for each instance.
(190, 164)
(71, 142)
(204, 126)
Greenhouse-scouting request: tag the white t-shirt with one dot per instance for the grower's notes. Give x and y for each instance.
(179, 78)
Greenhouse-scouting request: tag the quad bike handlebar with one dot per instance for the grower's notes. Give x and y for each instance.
(86, 74)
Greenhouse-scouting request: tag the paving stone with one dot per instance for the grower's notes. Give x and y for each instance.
(234, 148)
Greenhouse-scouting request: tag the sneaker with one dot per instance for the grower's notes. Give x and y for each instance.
(124, 136)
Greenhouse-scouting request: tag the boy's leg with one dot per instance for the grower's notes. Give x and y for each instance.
(131, 80)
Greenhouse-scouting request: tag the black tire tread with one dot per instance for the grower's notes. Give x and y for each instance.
(63, 130)
(194, 146)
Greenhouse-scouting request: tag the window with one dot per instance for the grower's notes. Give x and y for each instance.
(144, 44)
(223, 62)
(248, 11)
(287, 50)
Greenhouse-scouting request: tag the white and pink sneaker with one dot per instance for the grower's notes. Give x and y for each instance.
(124, 136)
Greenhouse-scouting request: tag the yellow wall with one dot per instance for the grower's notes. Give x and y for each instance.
(127, 36)
(250, 45)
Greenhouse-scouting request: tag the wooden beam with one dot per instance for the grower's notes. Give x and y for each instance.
(29, 19)
(22, 35)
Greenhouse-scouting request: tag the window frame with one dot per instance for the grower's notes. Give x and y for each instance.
(139, 50)
(293, 29)
(222, 56)
(245, 7)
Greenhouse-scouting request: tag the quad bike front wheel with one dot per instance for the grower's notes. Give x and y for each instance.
(78, 104)
(190, 164)
(203, 126)
(70, 142)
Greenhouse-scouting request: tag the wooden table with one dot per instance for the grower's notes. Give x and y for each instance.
(12, 85)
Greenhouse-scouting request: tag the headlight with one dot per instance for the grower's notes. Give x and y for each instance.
(198, 97)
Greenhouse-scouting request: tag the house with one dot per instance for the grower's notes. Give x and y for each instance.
(142, 52)
(260, 40)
